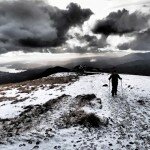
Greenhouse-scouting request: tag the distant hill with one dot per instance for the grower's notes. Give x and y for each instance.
(105, 62)
(135, 63)
(140, 67)
(53, 70)
(29, 74)
(19, 77)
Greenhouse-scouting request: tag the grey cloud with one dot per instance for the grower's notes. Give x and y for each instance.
(93, 41)
(31, 23)
(92, 45)
(121, 22)
(141, 42)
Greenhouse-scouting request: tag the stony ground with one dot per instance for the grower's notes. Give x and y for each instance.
(72, 112)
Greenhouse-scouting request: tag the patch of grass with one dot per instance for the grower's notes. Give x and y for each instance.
(8, 99)
(20, 100)
(82, 118)
(85, 99)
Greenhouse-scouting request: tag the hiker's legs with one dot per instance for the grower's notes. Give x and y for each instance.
(114, 89)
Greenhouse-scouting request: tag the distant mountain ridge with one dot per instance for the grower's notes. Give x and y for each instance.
(54, 70)
(137, 64)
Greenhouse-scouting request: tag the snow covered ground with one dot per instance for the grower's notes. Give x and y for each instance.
(128, 114)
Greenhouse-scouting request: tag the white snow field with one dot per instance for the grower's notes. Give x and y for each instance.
(43, 106)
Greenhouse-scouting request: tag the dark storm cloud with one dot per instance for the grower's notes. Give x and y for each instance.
(90, 44)
(121, 22)
(141, 42)
(93, 41)
(32, 23)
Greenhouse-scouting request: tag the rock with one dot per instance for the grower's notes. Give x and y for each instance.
(48, 130)
(2, 143)
(105, 85)
(35, 147)
(128, 146)
(29, 107)
(46, 139)
(29, 141)
(28, 120)
(22, 145)
(9, 134)
(145, 127)
(141, 102)
(4, 120)
(38, 142)
(131, 142)
(99, 101)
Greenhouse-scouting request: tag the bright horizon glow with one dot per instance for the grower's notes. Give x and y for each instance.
(52, 57)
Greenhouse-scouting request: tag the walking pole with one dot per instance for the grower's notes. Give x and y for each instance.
(121, 88)
(109, 87)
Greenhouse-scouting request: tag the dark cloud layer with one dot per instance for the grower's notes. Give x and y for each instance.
(141, 42)
(92, 44)
(93, 41)
(121, 22)
(32, 23)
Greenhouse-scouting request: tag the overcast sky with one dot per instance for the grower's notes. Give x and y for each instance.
(102, 7)
(74, 26)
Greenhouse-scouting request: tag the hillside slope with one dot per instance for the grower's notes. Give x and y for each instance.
(68, 112)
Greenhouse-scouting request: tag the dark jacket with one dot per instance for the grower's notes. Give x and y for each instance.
(114, 78)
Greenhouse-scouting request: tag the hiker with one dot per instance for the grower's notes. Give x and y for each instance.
(114, 79)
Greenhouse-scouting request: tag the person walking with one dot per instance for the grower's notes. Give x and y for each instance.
(114, 79)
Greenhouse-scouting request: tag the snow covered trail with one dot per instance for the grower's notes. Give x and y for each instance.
(131, 119)
(132, 112)
(128, 113)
